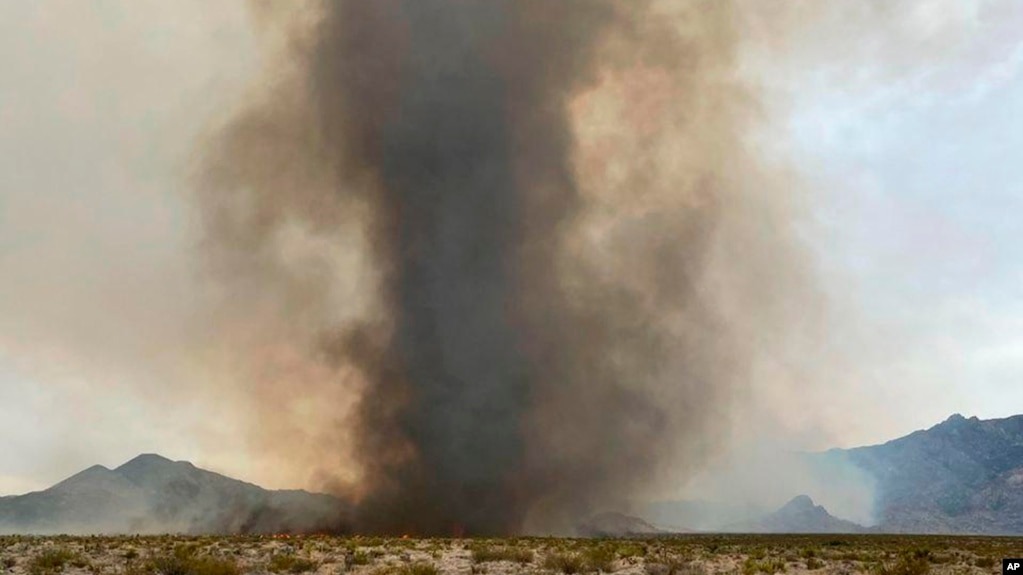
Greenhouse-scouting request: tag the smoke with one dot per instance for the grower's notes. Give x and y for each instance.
(487, 266)
(521, 251)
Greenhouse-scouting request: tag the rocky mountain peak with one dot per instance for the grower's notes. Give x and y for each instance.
(800, 503)
(147, 461)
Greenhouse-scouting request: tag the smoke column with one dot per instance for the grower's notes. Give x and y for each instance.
(562, 256)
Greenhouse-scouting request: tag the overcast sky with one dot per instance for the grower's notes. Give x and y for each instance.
(909, 136)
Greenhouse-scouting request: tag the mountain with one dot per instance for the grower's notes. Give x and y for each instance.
(800, 515)
(152, 494)
(960, 476)
(963, 475)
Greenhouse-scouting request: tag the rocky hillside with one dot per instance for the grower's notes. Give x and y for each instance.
(801, 515)
(152, 494)
(960, 476)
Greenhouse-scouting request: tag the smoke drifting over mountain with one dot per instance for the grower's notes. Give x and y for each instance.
(522, 246)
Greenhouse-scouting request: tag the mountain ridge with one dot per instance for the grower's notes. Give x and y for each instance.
(962, 475)
(151, 494)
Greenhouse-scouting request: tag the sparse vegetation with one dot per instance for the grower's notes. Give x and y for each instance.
(488, 553)
(359, 558)
(290, 563)
(673, 567)
(985, 562)
(188, 563)
(599, 558)
(51, 561)
(413, 569)
(567, 563)
(628, 550)
(769, 566)
(915, 563)
(680, 555)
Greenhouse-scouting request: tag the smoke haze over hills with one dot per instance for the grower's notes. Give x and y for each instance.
(562, 262)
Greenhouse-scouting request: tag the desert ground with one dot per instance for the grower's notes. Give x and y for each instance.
(328, 555)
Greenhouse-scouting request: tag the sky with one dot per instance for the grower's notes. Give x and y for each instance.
(921, 190)
(904, 129)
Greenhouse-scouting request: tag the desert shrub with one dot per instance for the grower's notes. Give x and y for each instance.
(288, 563)
(137, 569)
(359, 558)
(418, 569)
(631, 550)
(51, 561)
(753, 566)
(8, 562)
(984, 562)
(413, 569)
(568, 563)
(813, 563)
(488, 553)
(599, 558)
(908, 564)
(185, 563)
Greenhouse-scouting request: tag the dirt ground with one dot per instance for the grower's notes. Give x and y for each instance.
(683, 555)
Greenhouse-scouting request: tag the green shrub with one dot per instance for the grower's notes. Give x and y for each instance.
(488, 553)
(631, 550)
(51, 561)
(908, 564)
(598, 558)
(186, 563)
(567, 563)
(359, 558)
(289, 563)
(753, 566)
(413, 569)
(418, 569)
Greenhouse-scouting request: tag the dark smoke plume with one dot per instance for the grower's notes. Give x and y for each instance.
(566, 256)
